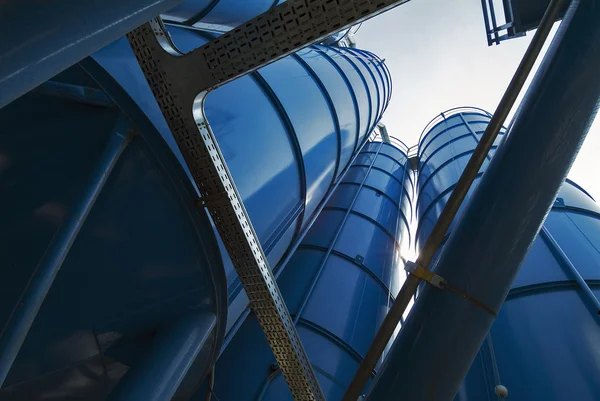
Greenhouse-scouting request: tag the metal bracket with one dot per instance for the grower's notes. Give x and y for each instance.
(425, 275)
(184, 113)
(439, 282)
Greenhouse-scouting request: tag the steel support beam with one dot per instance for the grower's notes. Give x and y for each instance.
(275, 34)
(180, 83)
(438, 234)
(444, 331)
(183, 109)
(165, 366)
(42, 38)
(571, 270)
(15, 331)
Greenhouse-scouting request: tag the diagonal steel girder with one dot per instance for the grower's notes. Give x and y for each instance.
(180, 83)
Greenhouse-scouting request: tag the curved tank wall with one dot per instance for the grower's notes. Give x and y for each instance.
(283, 155)
(109, 215)
(221, 13)
(145, 254)
(444, 149)
(543, 344)
(338, 285)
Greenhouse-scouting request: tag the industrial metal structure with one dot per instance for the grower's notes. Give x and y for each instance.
(531, 350)
(209, 208)
(445, 146)
(470, 280)
(543, 342)
(514, 19)
(339, 283)
(347, 89)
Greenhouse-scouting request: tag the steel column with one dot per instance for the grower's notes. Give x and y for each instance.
(165, 366)
(444, 331)
(462, 187)
(14, 333)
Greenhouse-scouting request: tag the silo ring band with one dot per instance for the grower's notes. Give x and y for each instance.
(439, 282)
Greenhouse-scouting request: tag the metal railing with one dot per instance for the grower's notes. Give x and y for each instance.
(497, 33)
(447, 114)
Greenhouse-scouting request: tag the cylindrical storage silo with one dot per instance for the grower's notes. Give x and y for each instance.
(98, 230)
(283, 155)
(134, 252)
(338, 285)
(444, 149)
(222, 14)
(542, 344)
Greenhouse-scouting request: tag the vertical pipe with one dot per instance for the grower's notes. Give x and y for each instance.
(15, 331)
(445, 329)
(572, 270)
(164, 367)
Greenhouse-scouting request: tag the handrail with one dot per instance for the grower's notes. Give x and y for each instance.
(447, 114)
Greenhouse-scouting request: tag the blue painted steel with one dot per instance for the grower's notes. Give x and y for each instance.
(445, 146)
(76, 93)
(548, 272)
(133, 257)
(338, 285)
(25, 310)
(40, 39)
(145, 256)
(224, 13)
(482, 256)
(334, 39)
(545, 335)
(161, 373)
(281, 153)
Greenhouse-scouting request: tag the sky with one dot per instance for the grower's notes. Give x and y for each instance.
(438, 56)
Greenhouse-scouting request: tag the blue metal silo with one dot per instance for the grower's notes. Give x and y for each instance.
(104, 256)
(445, 146)
(338, 285)
(542, 344)
(220, 14)
(134, 252)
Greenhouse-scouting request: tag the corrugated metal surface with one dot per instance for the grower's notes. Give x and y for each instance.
(338, 285)
(283, 155)
(288, 132)
(444, 149)
(144, 255)
(542, 345)
(225, 13)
